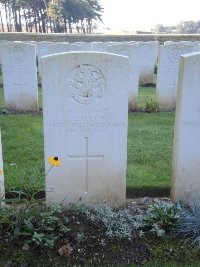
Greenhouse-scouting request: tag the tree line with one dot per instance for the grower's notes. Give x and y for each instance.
(182, 27)
(49, 16)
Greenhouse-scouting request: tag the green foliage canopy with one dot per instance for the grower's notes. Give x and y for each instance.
(50, 15)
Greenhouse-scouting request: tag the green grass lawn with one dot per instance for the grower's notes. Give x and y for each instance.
(146, 94)
(150, 137)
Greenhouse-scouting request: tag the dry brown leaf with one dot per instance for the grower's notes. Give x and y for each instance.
(65, 250)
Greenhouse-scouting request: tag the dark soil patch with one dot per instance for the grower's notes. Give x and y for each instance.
(88, 245)
(148, 192)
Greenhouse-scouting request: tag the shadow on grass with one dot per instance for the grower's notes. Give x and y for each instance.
(147, 192)
(130, 193)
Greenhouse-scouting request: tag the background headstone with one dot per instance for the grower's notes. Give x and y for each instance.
(148, 59)
(20, 77)
(85, 46)
(167, 74)
(99, 46)
(186, 155)
(85, 105)
(132, 51)
(61, 48)
(42, 50)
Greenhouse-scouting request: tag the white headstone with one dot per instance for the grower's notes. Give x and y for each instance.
(85, 103)
(42, 50)
(85, 46)
(2, 188)
(99, 46)
(61, 48)
(133, 53)
(2, 44)
(196, 46)
(148, 59)
(167, 75)
(35, 43)
(186, 155)
(170, 42)
(20, 77)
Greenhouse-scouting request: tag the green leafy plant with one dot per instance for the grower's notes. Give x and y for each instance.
(33, 224)
(152, 106)
(155, 68)
(162, 216)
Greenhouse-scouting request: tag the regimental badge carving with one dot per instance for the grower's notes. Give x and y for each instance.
(175, 53)
(19, 53)
(87, 85)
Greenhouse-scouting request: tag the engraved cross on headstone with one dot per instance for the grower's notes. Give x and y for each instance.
(19, 83)
(86, 157)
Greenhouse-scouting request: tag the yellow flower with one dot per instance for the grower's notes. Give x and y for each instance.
(54, 161)
(1, 172)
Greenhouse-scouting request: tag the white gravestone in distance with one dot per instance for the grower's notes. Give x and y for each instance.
(20, 77)
(148, 59)
(99, 46)
(61, 48)
(194, 44)
(132, 51)
(2, 44)
(42, 50)
(85, 103)
(85, 46)
(2, 189)
(167, 77)
(186, 152)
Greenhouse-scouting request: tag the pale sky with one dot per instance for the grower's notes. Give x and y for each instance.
(145, 14)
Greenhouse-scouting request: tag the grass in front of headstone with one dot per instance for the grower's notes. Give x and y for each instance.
(149, 152)
(149, 149)
(150, 141)
(145, 95)
(22, 140)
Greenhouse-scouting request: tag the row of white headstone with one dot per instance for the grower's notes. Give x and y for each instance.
(20, 73)
(85, 102)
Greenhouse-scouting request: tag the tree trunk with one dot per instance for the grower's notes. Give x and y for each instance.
(65, 22)
(25, 17)
(10, 19)
(70, 25)
(20, 22)
(7, 20)
(38, 21)
(2, 27)
(42, 21)
(89, 26)
(50, 24)
(35, 21)
(14, 12)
